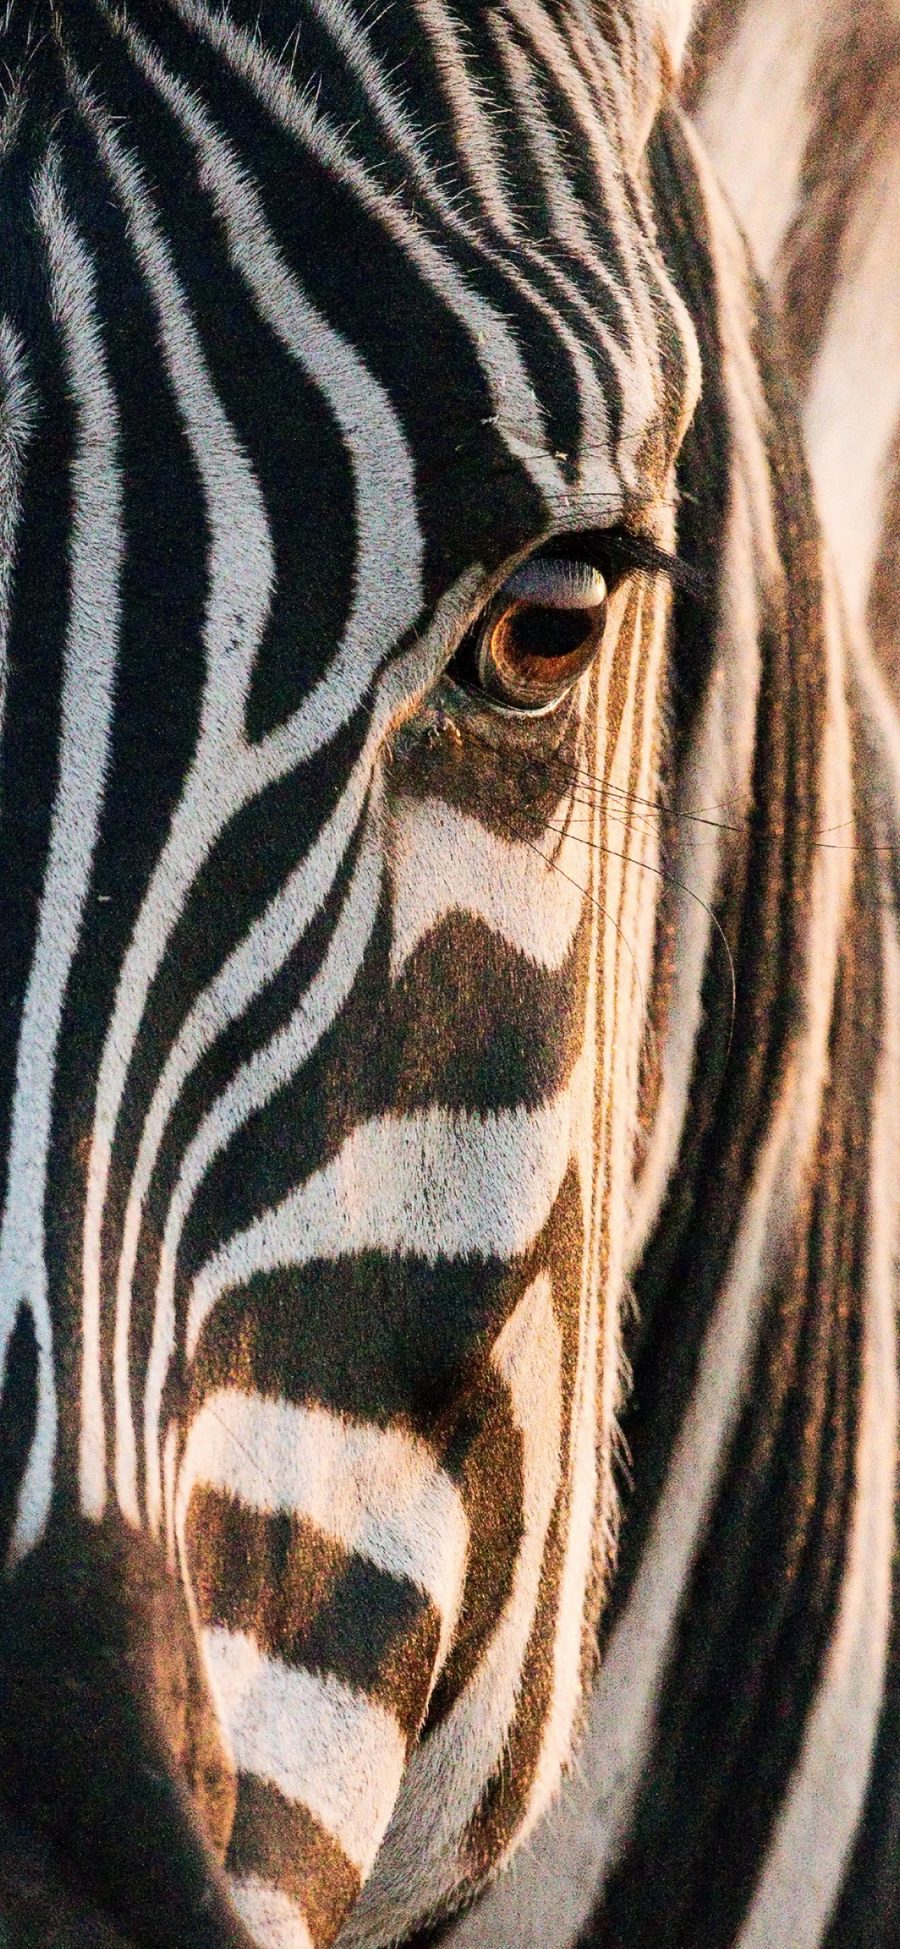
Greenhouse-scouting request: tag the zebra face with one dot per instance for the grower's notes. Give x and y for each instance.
(340, 437)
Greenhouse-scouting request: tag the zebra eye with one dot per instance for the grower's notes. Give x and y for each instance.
(537, 637)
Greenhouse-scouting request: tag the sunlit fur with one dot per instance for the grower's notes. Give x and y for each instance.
(324, 989)
(739, 1784)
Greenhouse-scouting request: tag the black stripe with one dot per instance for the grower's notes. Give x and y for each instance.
(309, 1603)
(18, 1418)
(509, 1037)
(39, 616)
(155, 703)
(505, 1796)
(427, 1331)
(871, 1884)
(92, 1637)
(870, 1894)
(279, 1841)
(485, 1451)
(277, 414)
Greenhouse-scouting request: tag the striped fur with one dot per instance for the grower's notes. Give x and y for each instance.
(360, 1043)
(316, 1182)
(738, 1782)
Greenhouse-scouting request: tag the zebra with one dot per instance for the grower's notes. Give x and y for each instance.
(819, 237)
(449, 835)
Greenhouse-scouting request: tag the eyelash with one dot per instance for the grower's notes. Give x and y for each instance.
(618, 551)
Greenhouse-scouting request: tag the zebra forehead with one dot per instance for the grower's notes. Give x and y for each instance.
(514, 282)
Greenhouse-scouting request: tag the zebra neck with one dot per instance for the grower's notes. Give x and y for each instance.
(736, 1715)
(764, 1398)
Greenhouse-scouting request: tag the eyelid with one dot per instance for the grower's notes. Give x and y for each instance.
(557, 584)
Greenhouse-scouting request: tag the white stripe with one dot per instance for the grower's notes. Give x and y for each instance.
(253, 1085)
(95, 554)
(762, 82)
(272, 1919)
(676, 18)
(225, 772)
(625, 951)
(324, 1746)
(241, 575)
(514, 401)
(768, 80)
(852, 410)
(17, 412)
(477, 147)
(436, 1184)
(444, 861)
(377, 1492)
(447, 1774)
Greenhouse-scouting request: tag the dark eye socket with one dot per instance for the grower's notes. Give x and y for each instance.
(537, 637)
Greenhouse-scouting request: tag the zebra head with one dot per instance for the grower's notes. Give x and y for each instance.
(343, 382)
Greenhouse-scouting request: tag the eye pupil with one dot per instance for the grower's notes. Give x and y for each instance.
(530, 653)
(529, 633)
(537, 637)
